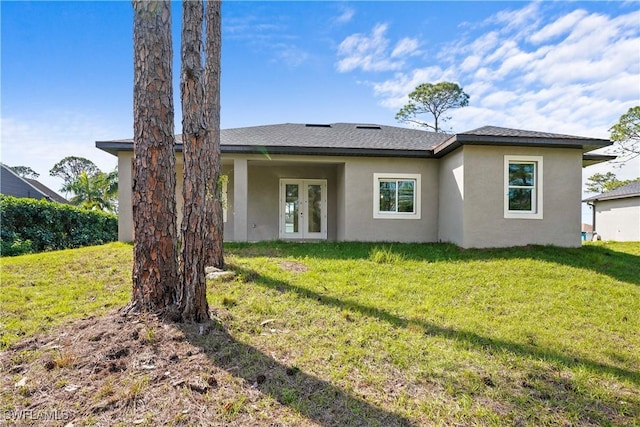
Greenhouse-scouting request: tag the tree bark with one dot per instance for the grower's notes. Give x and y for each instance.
(155, 267)
(214, 227)
(192, 290)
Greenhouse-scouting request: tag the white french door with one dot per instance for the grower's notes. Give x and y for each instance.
(303, 209)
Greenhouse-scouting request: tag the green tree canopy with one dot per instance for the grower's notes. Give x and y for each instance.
(604, 182)
(70, 168)
(434, 99)
(24, 171)
(626, 135)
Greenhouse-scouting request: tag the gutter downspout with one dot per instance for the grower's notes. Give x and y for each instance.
(593, 221)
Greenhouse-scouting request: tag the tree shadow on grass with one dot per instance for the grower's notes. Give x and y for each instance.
(468, 338)
(313, 398)
(596, 258)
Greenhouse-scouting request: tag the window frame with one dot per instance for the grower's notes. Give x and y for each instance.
(381, 177)
(536, 211)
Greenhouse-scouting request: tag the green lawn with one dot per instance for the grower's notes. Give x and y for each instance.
(431, 334)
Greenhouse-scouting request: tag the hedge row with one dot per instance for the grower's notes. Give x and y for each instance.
(29, 225)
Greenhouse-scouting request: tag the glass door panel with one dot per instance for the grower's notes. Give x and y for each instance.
(291, 209)
(314, 208)
(303, 209)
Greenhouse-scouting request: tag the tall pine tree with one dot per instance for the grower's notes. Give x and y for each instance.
(192, 290)
(155, 267)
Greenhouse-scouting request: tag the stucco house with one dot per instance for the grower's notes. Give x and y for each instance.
(12, 184)
(490, 187)
(616, 214)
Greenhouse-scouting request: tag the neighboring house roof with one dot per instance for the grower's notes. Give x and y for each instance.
(49, 193)
(370, 140)
(12, 184)
(588, 228)
(630, 190)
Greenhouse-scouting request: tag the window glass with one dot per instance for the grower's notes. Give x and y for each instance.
(521, 174)
(405, 196)
(520, 199)
(396, 196)
(521, 186)
(387, 196)
(523, 182)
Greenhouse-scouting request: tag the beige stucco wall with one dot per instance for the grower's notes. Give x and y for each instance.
(484, 222)
(451, 198)
(619, 219)
(125, 205)
(462, 199)
(264, 189)
(341, 201)
(359, 224)
(349, 196)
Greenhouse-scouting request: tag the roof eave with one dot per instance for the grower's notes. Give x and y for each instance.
(113, 147)
(459, 140)
(603, 199)
(324, 151)
(594, 159)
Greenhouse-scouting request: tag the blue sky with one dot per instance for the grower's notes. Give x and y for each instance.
(566, 67)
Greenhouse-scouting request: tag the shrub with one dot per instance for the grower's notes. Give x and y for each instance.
(30, 225)
(12, 244)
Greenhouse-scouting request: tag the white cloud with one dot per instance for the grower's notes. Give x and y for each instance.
(519, 22)
(470, 63)
(574, 72)
(346, 15)
(273, 38)
(291, 55)
(395, 91)
(406, 47)
(367, 52)
(44, 138)
(557, 28)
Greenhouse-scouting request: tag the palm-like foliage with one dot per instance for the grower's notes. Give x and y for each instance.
(97, 192)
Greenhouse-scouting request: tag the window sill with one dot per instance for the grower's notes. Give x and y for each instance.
(515, 215)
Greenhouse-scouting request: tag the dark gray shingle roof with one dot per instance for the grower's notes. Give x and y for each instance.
(494, 135)
(363, 139)
(12, 184)
(335, 135)
(630, 190)
(49, 193)
(521, 133)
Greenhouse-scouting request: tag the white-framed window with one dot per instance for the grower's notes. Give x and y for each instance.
(523, 187)
(396, 196)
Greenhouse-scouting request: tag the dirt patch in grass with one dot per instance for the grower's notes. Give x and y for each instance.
(134, 370)
(138, 370)
(293, 266)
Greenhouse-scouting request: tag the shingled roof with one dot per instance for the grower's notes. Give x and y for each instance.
(13, 184)
(630, 190)
(49, 193)
(370, 140)
(494, 135)
(520, 133)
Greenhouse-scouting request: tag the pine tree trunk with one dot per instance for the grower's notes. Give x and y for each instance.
(154, 207)
(192, 291)
(214, 227)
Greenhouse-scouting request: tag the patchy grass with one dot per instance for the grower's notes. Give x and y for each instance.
(341, 334)
(47, 289)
